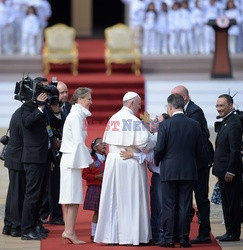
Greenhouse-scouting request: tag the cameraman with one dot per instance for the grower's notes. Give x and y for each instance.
(50, 205)
(37, 122)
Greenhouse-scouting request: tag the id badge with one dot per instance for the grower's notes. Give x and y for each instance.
(49, 130)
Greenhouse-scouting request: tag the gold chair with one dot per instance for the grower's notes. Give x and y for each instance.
(60, 47)
(120, 48)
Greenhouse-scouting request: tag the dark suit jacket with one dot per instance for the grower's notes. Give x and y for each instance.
(178, 148)
(15, 144)
(196, 113)
(35, 134)
(227, 147)
(68, 107)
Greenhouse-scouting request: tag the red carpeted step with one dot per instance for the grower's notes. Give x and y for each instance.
(107, 91)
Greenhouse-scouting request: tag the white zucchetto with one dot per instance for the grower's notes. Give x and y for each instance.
(129, 96)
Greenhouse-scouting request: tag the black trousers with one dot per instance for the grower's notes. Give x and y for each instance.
(200, 189)
(35, 174)
(231, 204)
(176, 206)
(50, 201)
(14, 200)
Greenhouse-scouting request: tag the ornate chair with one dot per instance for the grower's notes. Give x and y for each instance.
(60, 47)
(120, 48)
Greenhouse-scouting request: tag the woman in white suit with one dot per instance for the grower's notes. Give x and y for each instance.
(75, 156)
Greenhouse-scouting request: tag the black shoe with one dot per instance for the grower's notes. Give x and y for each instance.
(57, 222)
(221, 236)
(168, 245)
(229, 238)
(44, 221)
(41, 229)
(6, 231)
(185, 245)
(32, 236)
(15, 233)
(201, 240)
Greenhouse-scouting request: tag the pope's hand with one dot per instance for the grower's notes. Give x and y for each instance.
(126, 154)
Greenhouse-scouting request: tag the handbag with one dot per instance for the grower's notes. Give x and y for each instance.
(4, 140)
(216, 195)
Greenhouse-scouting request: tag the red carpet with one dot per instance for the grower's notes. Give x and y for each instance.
(107, 90)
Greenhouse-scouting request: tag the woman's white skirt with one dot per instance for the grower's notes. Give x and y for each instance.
(71, 188)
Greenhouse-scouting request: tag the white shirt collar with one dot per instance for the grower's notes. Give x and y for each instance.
(178, 112)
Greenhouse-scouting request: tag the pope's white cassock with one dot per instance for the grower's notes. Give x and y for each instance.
(124, 214)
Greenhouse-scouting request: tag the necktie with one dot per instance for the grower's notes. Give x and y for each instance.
(64, 110)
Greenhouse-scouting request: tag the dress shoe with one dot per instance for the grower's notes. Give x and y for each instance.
(113, 244)
(168, 245)
(57, 222)
(44, 221)
(15, 233)
(72, 239)
(221, 236)
(185, 245)
(6, 230)
(201, 240)
(229, 237)
(32, 236)
(41, 229)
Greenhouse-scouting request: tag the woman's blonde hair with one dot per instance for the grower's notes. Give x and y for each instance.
(81, 92)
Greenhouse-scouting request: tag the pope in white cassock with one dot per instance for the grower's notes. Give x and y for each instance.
(124, 213)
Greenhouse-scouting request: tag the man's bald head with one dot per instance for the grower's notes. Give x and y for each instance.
(63, 92)
(181, 90)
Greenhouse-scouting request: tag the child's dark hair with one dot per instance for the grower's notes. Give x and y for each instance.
(93, 143)
(165, 116)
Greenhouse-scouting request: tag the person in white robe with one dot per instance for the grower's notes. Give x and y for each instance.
(29, 32)
(75, 156)
(149, 31)
(136, 17)
(234, 31)
(197, 23)
(124, 212)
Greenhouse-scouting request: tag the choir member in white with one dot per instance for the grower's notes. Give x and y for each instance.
(30, 31)
(12, 16)
(162, 31)
(181, 29)
(233, 13)
(149, 32)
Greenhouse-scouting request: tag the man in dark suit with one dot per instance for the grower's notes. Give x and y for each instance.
(63, 98)
(228, 167)
(37, 122)
(178, 150)
(201, 187)
(16, 187)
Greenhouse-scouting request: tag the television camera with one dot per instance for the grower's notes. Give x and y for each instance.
(29, 89)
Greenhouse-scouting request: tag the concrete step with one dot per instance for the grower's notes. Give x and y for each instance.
(20, 64)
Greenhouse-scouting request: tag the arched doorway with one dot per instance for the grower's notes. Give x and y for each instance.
(61, 12)
(106, 13)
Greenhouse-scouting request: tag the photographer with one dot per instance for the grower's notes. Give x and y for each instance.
(37, 122)
(50, 206)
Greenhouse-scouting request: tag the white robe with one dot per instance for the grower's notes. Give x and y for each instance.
(124, 213)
